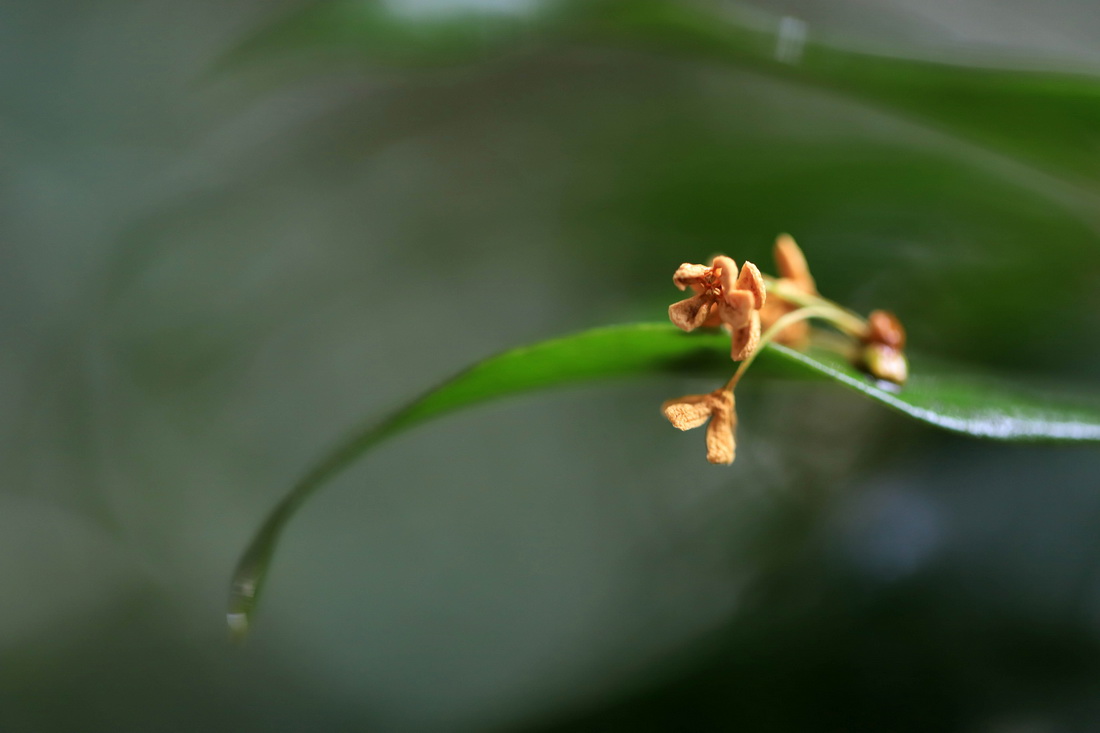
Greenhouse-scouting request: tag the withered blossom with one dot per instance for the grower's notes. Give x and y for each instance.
(883, 353)
(691, 411)
(721, 296)
(794, 273)
(720, 299)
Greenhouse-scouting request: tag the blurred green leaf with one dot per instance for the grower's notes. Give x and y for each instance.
(936, 394)
(368, 31)
(928, 179)
(1045, 118)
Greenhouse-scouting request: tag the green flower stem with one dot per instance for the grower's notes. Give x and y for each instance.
(844, 319)
(812, 311)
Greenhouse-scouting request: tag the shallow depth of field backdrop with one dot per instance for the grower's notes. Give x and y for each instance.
(231, 230)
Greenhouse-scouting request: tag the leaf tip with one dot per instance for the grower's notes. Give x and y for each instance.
(242, 601)
(239, 625)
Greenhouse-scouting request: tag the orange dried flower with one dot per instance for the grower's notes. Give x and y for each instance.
(884, 343)
(883, 327)
(793, 273)
(720, 299)
(691, 411)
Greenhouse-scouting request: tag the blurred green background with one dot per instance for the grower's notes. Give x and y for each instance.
(230, 231)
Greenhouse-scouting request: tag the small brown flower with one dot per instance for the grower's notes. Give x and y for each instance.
(793, 273)
(719, 299)
(883, 354)
(693, 410)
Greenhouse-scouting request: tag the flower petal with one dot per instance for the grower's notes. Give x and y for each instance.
(714, 320)
(751, 281)
(883, 327)
(727, 272)
(735, 307)
(791, 263)
(744, 340)
(689, 314)
(689, 274)
(721, 447)
(687, 412)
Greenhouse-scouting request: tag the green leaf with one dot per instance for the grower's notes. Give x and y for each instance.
(370, 32)
(1043, 117)
(936, 394)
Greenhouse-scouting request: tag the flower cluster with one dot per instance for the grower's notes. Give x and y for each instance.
(740, 302)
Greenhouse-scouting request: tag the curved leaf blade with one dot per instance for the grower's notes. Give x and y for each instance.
(937, 396)
(603, 352)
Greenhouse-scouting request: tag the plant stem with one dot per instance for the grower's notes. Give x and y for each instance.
(844, 319)
(827, 312)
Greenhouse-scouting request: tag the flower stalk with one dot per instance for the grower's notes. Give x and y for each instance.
(800, 315)
(843, 319)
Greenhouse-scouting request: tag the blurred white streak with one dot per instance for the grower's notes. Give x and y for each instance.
(425, 8)
(790, 40)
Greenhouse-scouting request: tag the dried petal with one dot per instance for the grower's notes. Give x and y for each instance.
(714, 320)
(794, 273)
(726, 270)
(751, 281)
(735, 307)
(687, 412)
(721, 447)
(689, 314)
(883, 327)
(745, 339)
(791, 263)
(689, 274)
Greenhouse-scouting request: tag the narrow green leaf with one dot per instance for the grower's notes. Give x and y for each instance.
(936, 395)
(371, 32)
(1043, 117)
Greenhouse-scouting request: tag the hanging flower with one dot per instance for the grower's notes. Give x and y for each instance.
(794, 274)
(720, 299)
(691, 411)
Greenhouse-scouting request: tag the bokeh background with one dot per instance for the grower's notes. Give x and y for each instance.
(229, 231)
